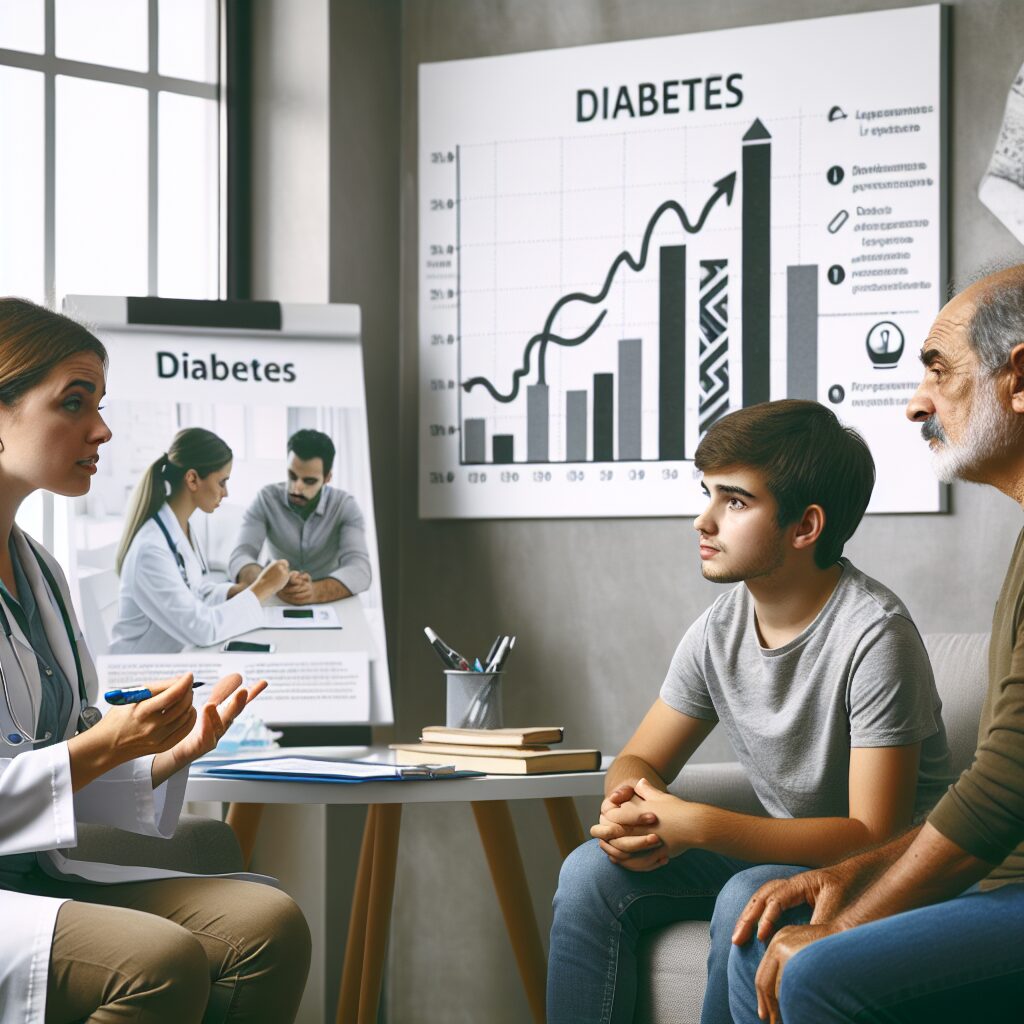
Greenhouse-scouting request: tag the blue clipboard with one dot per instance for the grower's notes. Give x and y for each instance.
(306, 769)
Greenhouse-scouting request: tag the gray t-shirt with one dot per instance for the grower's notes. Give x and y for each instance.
(858, 676)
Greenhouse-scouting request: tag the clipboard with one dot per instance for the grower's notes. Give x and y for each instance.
(308, 769)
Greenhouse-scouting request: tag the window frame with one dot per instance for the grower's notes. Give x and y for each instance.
(231, 46)
(50, 65)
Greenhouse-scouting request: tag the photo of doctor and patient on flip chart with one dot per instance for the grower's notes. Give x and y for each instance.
(223, 536)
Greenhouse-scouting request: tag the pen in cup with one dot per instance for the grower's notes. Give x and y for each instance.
(494, 648)
(119, 697)
(448, 655)
(494, 664)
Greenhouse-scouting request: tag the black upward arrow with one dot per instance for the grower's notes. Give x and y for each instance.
(723, 187)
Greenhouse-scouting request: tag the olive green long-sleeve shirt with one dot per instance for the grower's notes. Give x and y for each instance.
(983, 812)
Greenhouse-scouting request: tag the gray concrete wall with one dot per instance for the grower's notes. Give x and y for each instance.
(599, 604)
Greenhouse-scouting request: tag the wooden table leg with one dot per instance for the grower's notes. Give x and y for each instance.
(244, 820)
(494, 822)
(565, 823)
(352, 971)
(378, 912)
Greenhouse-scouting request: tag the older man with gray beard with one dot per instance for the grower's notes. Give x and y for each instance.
(929, 927)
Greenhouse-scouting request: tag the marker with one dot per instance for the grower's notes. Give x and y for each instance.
(448, 655)
(119, 697)
(477, 667)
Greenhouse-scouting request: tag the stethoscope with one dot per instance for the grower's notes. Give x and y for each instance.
(178, 556)
(89, 715)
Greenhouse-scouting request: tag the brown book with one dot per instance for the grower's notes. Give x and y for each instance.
(517, 762)
(526, 737)
(475, 751)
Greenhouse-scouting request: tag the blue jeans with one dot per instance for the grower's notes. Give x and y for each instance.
(601, 910)
(961, 960)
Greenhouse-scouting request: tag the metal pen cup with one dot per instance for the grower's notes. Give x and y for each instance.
(473, 700)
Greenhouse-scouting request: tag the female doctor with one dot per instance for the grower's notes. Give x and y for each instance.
(166, 600)
(98, 942)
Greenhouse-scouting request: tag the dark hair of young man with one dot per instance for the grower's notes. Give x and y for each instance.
(312, 444)
(807, 457)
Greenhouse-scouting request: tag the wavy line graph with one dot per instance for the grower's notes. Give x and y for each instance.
(723, 187)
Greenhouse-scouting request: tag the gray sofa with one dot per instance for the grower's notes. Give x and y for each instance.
(673, 959)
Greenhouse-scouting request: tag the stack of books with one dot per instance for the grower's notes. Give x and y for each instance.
(497, 751)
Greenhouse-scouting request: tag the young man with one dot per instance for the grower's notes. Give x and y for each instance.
(318, 529)
(817, 674)
(905, 932)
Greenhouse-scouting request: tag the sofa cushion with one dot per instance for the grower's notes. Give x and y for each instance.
(673, 974)
(960, 664)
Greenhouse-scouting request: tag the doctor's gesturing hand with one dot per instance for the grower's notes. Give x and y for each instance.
(166, 725)
(227, 699)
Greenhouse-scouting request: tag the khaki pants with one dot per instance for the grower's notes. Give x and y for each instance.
(179, 950)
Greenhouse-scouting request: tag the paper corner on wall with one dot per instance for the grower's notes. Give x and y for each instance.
(1002, 186)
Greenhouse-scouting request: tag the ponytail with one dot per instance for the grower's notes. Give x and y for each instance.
(147, 498)
(192, 448)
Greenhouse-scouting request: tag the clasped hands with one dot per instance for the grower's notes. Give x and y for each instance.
(298, 589)
(641, 827)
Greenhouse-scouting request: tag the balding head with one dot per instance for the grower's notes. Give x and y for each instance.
(995, 317)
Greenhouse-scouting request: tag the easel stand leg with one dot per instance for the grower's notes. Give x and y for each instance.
(244, 820)
(494, 822)
(565, 823)
(378, 914)
(352, 971)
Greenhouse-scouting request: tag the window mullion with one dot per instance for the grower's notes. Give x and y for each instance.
(49, 162)
(154, 146)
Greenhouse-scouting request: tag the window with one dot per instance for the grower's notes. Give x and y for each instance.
(110, 155)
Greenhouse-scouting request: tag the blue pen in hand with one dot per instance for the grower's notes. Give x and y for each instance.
(119, 697)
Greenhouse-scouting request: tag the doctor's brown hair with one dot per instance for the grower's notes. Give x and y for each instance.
(192, 448)
(807, 457)
(33, 340)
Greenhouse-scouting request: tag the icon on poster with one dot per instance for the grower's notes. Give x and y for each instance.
(838, 221)
(885, 345)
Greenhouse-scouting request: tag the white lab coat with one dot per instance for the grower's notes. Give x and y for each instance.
(158, 613)
(39, 813)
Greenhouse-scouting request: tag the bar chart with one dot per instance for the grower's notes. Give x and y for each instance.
(604, 421)
(596, 294)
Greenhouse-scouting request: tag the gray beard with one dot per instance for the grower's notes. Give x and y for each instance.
(990, 429)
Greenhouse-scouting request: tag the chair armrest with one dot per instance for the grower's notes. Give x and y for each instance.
(202, 846)
(723, 784)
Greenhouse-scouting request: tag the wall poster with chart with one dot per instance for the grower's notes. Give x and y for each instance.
(621, 243)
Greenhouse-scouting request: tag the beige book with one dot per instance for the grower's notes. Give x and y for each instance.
(524, 737)
(518, 762)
